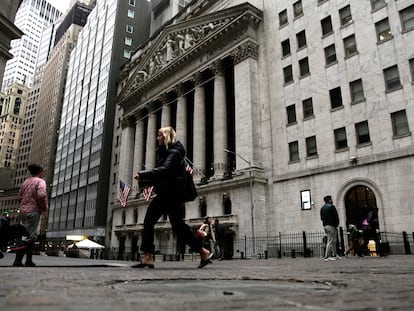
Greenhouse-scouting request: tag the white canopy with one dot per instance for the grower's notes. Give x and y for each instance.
(88, 244)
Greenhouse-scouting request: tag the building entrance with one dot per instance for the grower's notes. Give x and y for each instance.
(359, 200)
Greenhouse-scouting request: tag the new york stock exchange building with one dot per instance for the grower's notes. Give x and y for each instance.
(271, 121)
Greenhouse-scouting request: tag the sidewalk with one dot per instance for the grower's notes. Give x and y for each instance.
(59, 283)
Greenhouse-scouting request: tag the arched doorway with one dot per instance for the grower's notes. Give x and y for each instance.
(358, 201)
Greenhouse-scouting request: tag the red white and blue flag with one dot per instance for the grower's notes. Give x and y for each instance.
(124, 191)
(147, 192)
(188, 167)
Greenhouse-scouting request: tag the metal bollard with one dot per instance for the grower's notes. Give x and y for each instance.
(293, 253)
(266, 254)
(241, 255)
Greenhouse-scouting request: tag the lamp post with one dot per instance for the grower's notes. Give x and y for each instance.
(251, 195)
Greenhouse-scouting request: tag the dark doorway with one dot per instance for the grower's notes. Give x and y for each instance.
(358, 201)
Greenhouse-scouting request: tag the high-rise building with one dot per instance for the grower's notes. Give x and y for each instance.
(79, 199)
(31, 17)
(278, 104)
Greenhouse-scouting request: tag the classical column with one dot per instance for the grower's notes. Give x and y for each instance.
(247, 110)
(219, 120)
(151, 139)
(199, 130)
(126, 154)
(166, 111)
(138, 147)
(181, 127)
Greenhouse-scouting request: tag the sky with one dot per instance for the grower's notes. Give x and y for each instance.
(62, 5)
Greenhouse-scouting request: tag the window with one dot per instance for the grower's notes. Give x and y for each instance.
(357, 91)
(132, 2)
(383, 30)
(287, 74)
(407, 18)
(412, 68)
(286, 48)
(330, 55)
(362, 132)
(377, 4)
(301, 39)
(340, 138)
(326, 26)
(127, 54)
(128, 41)
(350, 46)
(307, 108)
(129, 28)
(345, 15)
(304, 67)
(336, 97)
(297, 9)
(131, 13)
(399, 123)
(392, 78)
(311, 149)
(293, 151)
(291, 114)
(283, 20)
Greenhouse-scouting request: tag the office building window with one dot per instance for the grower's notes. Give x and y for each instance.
(350, 46)
(301, 39)
(377, 4)
(129, 28)
(399, 123)
(326, 24)
(357, 91)
(407, 18)
(383, 30)
(304, 67)
(340, 139)
(412, 68)
(297, 9)
(128, 41)
(131, 13)
(283, 19)
(307, 108)
(127, 54)
(311, 149)
(293, 151)
(285, 48)
(330, 55)
(336, 97)
(362, 133)
(132, 2)
(392, 79)
(291, 114)
(345, 15)
(287, 74)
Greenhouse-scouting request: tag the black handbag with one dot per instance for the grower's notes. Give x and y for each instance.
(190, 190)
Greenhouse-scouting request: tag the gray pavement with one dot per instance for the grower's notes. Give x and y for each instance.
(59, 283)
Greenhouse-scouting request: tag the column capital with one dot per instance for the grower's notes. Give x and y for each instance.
(180, 89)
(128, 121)
(217, 67)
(197, 78)
(244, 51)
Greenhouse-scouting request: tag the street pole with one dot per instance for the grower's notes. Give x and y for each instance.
(251, 195)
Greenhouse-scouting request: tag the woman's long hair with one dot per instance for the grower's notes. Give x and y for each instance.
(169, 135)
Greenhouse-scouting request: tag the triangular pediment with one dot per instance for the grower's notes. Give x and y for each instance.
(179, 43)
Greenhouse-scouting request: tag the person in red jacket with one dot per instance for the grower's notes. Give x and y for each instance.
(32, 204)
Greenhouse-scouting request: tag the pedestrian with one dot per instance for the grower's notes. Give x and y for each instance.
(354, 239)
(205, 233)
(33, 204)
(370, 230)
(167, 178)
(330, 222)
(219, 235)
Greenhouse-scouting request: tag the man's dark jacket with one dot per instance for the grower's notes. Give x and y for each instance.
(329, 215)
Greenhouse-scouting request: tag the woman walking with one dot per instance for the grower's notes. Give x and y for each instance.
(167, 178)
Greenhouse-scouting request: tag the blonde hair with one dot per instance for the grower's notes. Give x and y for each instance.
(169, 135)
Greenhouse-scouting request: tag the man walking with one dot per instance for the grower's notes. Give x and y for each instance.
(330, 222)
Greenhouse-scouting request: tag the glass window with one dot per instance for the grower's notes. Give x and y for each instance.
(287, 74)
(383, 30)
(304, 67)
(298, 8)
(330, 54)
(407, 18)
(283, 19)
(362, 133)
(399, 123)
(357, 91)
(301, 39)
(350, 46)
(392, 78)
(291, 114)
(326, 26)
(307, 108)
(286, 47)
(132, 2)
(131, 13)
(127, 54)
(377, 4)
(345, 15)
(336, 97)
(293, 151)
(412, 68)
(129, 28)
(128, 41)
(311, 149)
(340, 138)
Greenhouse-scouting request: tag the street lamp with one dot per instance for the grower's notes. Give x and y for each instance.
(251, 194)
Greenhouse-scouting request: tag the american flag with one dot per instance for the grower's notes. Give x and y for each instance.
(124, 191)
(147, 192)
(188, 167)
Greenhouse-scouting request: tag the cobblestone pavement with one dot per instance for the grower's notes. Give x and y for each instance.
(59, 283)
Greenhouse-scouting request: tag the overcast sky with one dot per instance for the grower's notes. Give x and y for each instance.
(62, 5)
